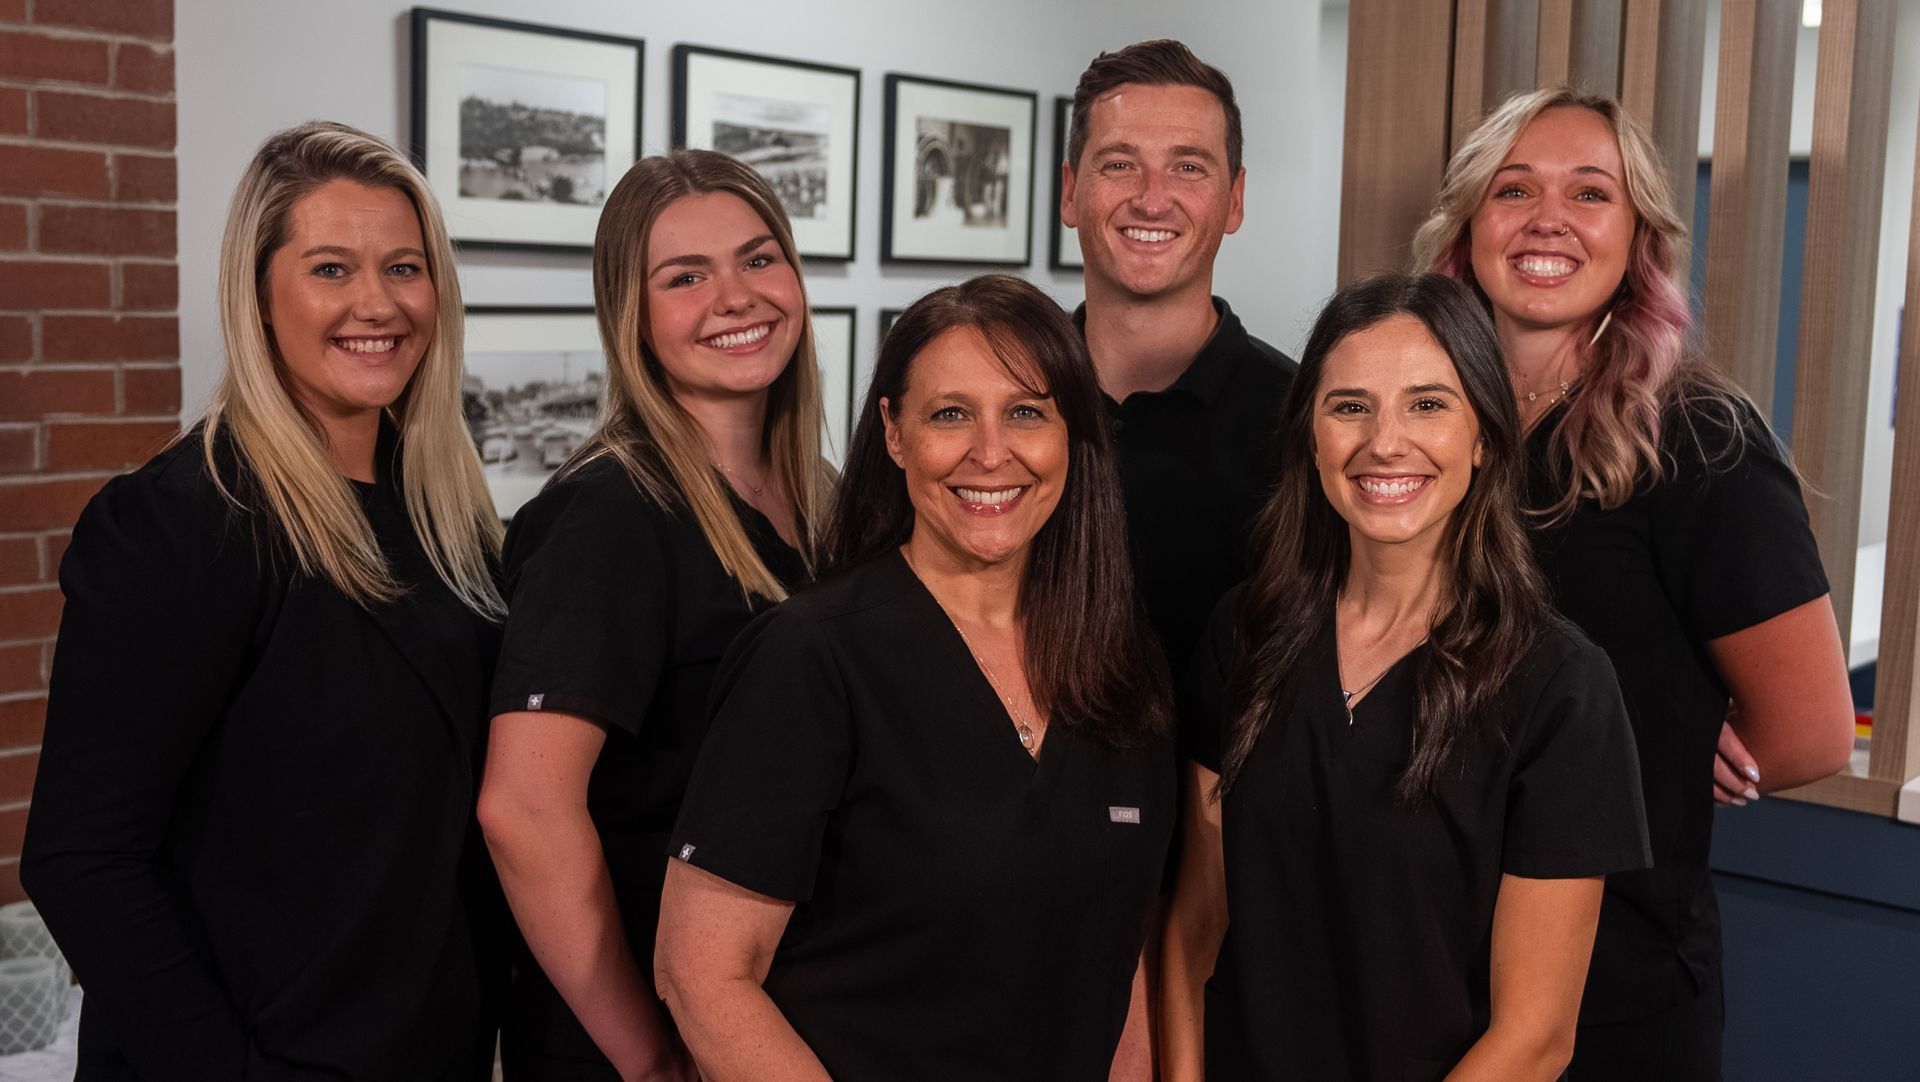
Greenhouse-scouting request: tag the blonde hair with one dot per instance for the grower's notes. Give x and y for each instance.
(282, 449)
(1610, 436)
(643, 427)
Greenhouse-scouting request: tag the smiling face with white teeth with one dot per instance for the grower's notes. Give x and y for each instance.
(1394, 437)
(1152, 194)
(985, 458)
(1551, 239)
(724, 306)
(348, 301)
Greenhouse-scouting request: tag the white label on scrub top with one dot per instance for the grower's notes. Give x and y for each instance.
(1124, 815)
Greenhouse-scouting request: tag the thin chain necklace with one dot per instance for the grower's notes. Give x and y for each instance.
(751, 487)
(1347, 697)
(1021, 729)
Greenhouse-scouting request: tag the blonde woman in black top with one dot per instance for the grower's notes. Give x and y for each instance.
(1670, 528)
(693, 505)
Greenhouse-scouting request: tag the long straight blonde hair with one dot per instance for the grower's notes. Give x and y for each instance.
(643, 427)
(284, 451)
(1645, 361)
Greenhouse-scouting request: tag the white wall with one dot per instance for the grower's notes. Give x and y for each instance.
(248, 67)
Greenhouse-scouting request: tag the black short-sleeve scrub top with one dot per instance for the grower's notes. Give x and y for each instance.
(1359, 927)
(1718, 544)
(962, 911)
(619, 612)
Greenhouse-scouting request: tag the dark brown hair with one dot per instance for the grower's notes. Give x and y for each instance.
(1492, 601)
(1091, 662)
(1162, 62)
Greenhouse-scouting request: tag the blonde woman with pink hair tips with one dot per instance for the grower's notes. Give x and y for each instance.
(1669, 525)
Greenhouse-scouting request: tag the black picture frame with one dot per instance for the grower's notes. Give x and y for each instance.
(1063, 253)
(887, 316)
(522, 436)
(520, 56)
(916, 225)
(822, 99)
(833, 333)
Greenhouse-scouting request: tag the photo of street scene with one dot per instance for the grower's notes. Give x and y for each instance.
(960, 173)
(532, 136)
(527, 412)
(785, 141)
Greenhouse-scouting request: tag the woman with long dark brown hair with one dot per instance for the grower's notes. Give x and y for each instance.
(926, 831)
(695, 503)
(1670, 528)
(1408, 775)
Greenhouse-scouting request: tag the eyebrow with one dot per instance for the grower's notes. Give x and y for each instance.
(1587, 170)
(1183, 150)
(1418, 388)
(703, 261)
(335, 249)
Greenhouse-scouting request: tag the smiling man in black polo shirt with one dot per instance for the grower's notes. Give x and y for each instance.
(1153, 181)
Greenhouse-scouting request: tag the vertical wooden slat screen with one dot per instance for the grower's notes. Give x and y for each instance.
(1408, 107)
(1748, 216)
(1593, 64)
(1896, 700)
(1399, 54)
(1846, 176)
(1662, 57)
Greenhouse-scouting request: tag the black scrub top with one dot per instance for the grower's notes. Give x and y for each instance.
(619, 612)
(962, 911)
(1719, 544)
(252, 831)
(1359, 928)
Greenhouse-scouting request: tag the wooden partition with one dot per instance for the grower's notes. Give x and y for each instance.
(1405, 101)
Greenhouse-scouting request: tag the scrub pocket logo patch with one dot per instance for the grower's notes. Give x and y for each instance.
(686, 852)
(534, 701)
(1124, 815)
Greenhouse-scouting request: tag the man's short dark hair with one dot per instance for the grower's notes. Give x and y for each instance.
(1163, 62)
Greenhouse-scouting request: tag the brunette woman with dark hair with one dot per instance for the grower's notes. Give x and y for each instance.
(926, 829)
(1413, 774)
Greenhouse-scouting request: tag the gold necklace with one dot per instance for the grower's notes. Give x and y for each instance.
(1021, 728)
(751, 487)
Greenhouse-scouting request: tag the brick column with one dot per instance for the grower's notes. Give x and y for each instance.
(89, 327)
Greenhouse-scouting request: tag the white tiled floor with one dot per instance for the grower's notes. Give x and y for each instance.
(53, 1063)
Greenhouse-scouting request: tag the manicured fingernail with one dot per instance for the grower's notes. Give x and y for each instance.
(1751, 793)
(1739, 802)
(1751, 771)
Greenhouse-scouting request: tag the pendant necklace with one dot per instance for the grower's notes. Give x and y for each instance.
(1347, 697)
(1020, 728)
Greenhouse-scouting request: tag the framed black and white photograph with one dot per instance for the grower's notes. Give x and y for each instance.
(833, 348)
(534, 378)
(796, 122)
(958, 175)
(1064, 251)
(522, 130)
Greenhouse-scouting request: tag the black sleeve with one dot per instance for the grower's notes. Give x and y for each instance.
(1203, 691)
(774, 764)
(1574, 806)
(588, 604)
(1730, 532)
(162, 594)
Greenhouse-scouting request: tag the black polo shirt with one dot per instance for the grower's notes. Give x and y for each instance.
(1718, 544)
(1196, 464)
(962, 911)
(1361, 928)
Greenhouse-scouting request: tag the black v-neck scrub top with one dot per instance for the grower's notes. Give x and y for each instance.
(1359, 928)
(1719, 544)
(619, 612)
(962, 911)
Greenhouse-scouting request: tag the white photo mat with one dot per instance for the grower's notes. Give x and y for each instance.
(522, 441)
(915, 239)
(835, 91)
(833, 349)
(450, 46)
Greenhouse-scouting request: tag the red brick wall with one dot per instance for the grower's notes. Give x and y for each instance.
(89, 327)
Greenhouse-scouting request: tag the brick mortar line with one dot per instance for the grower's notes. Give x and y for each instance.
(97, 90)
(103, 204)
(31, 142)
(14, 806)
(23, 749)
(25, 696)
(16, 256)
(22, 480)
(87, 366)
(82, 33)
